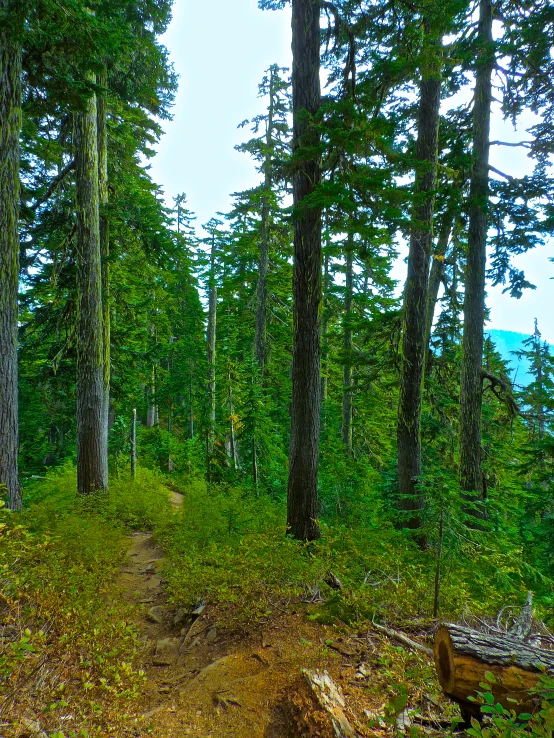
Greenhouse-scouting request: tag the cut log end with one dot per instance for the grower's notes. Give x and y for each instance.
(444, 660)
(465, 659)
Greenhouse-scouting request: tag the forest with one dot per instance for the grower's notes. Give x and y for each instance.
(247, 478)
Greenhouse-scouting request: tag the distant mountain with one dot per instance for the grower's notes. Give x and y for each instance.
(506, 342)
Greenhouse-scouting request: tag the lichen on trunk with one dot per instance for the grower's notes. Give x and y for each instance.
(10, 126)
(92, 463)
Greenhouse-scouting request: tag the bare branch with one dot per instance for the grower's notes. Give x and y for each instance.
(499, 384)
(403, 639)
(501, 174)
(53, 185)
(525, 144)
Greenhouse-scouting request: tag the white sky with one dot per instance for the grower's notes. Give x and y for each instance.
(220, 50)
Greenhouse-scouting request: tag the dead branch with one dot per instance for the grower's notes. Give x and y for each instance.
(403, 638)
(53, 185)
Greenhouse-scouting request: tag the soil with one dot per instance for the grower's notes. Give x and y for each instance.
(204, 682)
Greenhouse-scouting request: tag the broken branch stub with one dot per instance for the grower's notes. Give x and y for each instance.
(318, 708)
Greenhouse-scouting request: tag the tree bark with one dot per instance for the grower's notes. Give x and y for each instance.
(324, 331)
(134, 445)
(10, 126)
(471, 397)
(260, 345)
(92, 463)
(102, 109)
(436, 276)
(415, 295)
(191, 402)
(152, 416)
(464, 656)
(347, 346)
(232, 447)
(302, 508)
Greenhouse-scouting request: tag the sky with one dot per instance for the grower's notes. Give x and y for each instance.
(221, 50)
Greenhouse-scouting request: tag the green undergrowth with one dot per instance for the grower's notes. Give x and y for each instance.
(64, 624)
(68, 645)
(230, 548)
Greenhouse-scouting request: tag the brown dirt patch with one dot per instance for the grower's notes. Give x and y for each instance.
(204, 682)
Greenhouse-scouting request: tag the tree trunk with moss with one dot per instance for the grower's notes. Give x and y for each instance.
(10, 126)
(347, 346)
(303, 508)
(416, 292)
(92, 463)
(102, 114)
(436, 277)
(471, 397)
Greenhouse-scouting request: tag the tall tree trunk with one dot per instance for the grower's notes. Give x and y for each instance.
(170, 462)
(134, 445)
(10, 126)
(260, 347)
(92, 463)
(347, 345)
(303, 510)
(436, 276)
(211, 334)
(233, 448)
(415, 295)
(471, 397)
(324, 332)
(191, 402)
(152, 416)
(102, 109)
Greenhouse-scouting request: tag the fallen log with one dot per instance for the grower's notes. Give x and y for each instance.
(464, 656)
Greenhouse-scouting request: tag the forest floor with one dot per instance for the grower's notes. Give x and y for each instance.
(204, 681)
(103, 633)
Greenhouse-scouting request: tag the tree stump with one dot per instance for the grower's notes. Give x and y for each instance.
(464, 656)
(318, 708)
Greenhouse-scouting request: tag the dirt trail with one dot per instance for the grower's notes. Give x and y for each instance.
(202, 682)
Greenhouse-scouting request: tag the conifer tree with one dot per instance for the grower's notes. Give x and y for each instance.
(471, 397)
(11, 27)
(269, 149)
(102, 137)
(416, 289)
(538, 400)
(92, 462)
(302, 516)
(212, 229)
(347, 345)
